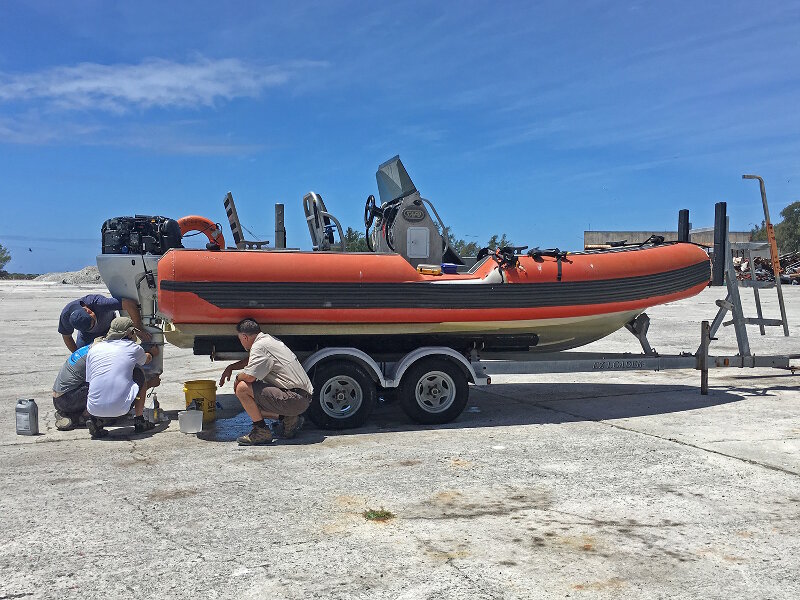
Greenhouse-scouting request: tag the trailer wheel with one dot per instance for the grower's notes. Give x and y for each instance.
(344, 395)
(434, 391)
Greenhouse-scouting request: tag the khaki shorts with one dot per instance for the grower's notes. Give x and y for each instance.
(287, 403)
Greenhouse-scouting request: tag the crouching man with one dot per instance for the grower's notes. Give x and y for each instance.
(70, 390)
(116, 379)
(272, 384)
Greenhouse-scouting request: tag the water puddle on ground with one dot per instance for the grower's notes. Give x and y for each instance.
(226, 429)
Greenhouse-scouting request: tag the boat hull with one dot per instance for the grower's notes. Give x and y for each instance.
(367, 300)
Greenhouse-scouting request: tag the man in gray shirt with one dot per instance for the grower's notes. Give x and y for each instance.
(272, 384)
(70, 391)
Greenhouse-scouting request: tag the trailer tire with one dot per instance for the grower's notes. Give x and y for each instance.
(344, 395)
(434, 391)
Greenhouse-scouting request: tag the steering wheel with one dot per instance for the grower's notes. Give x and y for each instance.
(371, 210)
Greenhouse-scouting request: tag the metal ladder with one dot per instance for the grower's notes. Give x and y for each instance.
(733, 301)
(776, 269)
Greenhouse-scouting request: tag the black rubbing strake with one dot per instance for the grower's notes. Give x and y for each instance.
(321, 295)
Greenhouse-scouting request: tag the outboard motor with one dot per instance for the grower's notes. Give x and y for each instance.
(128, 265)
(140, 235)
(405, 224)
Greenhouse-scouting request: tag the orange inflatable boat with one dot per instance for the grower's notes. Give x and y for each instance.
(540, 300)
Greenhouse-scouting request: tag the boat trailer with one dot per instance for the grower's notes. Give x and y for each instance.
(431, 382)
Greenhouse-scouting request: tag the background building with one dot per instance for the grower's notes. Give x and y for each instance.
(698, 236)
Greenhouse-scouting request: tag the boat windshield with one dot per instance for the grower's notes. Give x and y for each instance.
(393, 181)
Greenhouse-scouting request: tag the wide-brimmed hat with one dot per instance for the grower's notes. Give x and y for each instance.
(120, 328)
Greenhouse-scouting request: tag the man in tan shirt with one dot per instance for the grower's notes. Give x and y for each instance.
(272, 384)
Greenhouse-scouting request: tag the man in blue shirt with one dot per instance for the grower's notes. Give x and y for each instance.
(91, 317)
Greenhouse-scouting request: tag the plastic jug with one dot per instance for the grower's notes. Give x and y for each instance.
(27, 417)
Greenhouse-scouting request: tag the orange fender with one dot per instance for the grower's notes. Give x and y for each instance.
(203, 225)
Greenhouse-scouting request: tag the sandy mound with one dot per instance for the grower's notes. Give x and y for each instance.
(87, 275)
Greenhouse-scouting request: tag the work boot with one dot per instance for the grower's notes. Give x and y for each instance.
(64, 422)
(95, 427)
(140, 424)
(258, 436)
(291, 425)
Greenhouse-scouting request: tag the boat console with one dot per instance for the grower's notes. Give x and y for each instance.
(404, 222)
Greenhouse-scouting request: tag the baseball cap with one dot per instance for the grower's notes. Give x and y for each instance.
(80, 320)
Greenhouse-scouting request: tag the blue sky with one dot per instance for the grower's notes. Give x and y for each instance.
(539, 121)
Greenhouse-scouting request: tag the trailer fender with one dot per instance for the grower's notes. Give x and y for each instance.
(436, 351)
(357, 356)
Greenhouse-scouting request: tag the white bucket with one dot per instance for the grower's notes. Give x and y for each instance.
(190, 421)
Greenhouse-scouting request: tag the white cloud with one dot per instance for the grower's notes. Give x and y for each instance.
(173, 138)
(30, 129)
(149, 84)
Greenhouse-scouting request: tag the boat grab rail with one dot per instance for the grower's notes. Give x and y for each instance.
(319, 223)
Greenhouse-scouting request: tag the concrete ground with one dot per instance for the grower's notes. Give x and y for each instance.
(570, 486)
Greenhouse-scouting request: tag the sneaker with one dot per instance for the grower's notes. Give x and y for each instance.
(291, 425)
(64, 422)
(258, 436)
(140, 424)
(96, 430)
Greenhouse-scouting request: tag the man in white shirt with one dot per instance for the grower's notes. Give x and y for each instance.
(116, 379)
(272, 384)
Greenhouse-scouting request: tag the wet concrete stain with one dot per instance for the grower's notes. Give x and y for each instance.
(351, 502)
(447, 554)
(451, 504)
(176, 494)
(585, 535)
(229, 428)
(352, 508)
(226, 430)
(256, 457)
(716, 553)
(64, 480)
(145, 461)
(615, 583)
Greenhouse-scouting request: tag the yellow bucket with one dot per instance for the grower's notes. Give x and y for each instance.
(203, 392)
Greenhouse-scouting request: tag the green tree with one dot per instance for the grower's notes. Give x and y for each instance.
(5, 257)
(787, 232)
(355, 241)
(463, 247)
(759, 232)
(499, 242)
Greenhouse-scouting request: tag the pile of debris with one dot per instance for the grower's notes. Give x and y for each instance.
(86, 276)
(761, 269)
